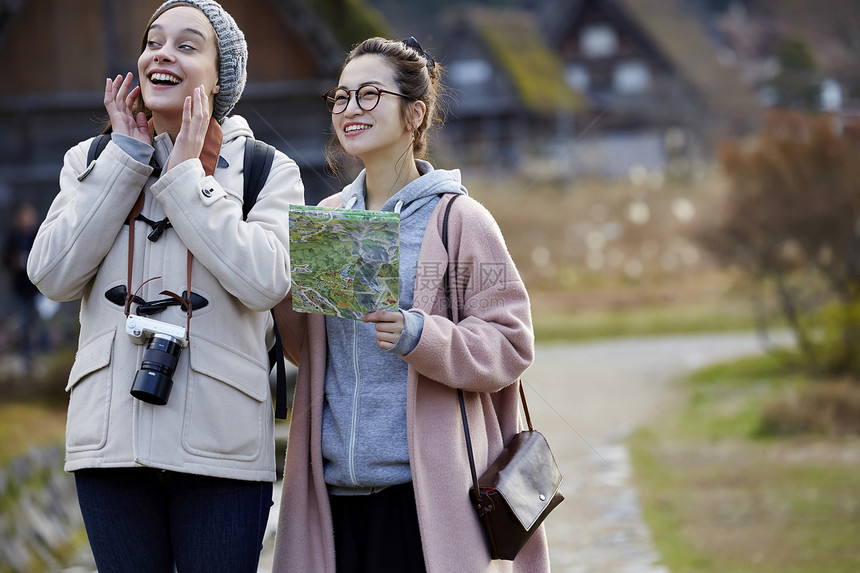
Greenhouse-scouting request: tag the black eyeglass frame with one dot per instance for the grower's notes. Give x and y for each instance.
(330, 100)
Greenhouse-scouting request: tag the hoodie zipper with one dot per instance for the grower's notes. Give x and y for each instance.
(353, 428)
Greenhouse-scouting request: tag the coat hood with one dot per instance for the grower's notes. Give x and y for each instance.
(433, 182)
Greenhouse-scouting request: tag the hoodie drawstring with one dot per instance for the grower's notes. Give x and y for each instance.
(353, 199)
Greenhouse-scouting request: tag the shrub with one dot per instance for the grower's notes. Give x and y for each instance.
(790, 224)
(831, 408)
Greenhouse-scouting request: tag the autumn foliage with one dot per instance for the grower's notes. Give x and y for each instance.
(791, 222)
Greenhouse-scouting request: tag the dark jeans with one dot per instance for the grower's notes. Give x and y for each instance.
(377, 532)
(153, 521)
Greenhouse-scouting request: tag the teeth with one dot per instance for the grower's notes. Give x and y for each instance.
(158, 77)
(355, 128)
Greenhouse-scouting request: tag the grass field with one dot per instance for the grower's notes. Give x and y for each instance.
(720, 497)
(25, 425)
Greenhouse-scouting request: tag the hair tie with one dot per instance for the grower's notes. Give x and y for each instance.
(411, 42)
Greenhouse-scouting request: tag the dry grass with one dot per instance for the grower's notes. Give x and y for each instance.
(755, 507)
(829, 408)
(29, 425)
(601, 243)
(719, 498)
(615, 258)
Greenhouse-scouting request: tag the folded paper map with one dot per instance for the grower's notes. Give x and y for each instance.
(344, 262)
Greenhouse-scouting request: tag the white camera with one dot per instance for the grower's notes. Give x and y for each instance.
(164, 342)
(140, 329)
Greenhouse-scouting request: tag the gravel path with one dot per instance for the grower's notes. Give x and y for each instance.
(586, 399)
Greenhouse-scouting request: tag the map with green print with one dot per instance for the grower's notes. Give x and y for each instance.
(344, 262)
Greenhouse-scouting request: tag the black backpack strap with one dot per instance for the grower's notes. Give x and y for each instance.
(258, 162)
(276, 357)
(97, 146)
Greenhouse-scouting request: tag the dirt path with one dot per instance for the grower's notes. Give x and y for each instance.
(586, 399)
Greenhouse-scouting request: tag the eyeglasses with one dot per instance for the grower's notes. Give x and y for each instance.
(367, 98)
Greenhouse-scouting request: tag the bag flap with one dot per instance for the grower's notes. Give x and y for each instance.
(526, 475)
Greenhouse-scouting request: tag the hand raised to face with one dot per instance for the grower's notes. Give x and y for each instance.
(192, 132)
(119, 103)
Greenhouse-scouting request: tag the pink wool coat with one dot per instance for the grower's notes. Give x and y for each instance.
(484, 353)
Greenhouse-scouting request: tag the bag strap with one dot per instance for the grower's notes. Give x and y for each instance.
(450, 306)
(259, 156)
(97, 146)
(446, 283)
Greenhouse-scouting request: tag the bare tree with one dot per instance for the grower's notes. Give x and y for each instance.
(792, 222)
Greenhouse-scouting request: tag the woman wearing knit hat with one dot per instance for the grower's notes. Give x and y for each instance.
(170, 417)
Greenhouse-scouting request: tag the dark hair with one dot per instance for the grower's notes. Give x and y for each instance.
(416, 75)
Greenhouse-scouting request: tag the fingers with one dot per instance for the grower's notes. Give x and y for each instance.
(119, 101)
(132, 97)
(376, 316)
(387, 337)
(140, 121)
(203, 103)
(195, 113)
(126, 84)
(389, 326)
(192, 131)
(187, 107)
(117, 89)
(385, 343)
(108, 91)
(111, 89)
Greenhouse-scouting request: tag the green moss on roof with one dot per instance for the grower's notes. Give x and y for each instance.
(351, 21)
(680, 36)
(515, 41)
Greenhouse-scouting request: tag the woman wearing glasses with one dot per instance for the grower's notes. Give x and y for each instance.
(377, 474)
(175, 286)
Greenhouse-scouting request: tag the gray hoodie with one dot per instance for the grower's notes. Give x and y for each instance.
(364, 414)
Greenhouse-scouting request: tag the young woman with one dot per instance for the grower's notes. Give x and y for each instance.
(377, 474)
(152, 234)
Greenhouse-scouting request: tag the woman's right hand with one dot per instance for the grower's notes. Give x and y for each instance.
(119, 103)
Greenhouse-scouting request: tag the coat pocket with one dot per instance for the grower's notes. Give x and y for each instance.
(89, 390)
(228, 406)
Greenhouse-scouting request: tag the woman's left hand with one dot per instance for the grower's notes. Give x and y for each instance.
(192, 132)
(389, 326)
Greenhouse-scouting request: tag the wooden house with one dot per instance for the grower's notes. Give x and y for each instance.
(508, 98)
(654, 84)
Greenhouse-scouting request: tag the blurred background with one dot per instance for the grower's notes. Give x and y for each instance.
(656, 166)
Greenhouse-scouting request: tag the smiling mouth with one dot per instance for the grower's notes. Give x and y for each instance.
(161, 79)
(355, 127)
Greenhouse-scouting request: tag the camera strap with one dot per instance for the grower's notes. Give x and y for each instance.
(129, 297)
(135, 211)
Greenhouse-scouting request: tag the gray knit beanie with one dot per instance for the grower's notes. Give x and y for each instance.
(233, 51)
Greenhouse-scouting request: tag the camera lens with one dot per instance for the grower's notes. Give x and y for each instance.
(154, 380)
